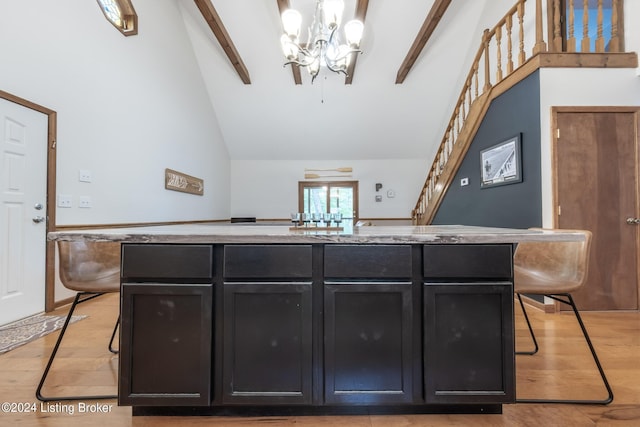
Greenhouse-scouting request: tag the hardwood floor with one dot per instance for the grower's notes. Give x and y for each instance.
(562, 368)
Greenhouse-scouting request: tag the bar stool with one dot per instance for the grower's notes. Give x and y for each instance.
(555, 270)
(91, 269)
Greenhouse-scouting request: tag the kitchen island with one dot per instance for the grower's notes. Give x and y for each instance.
(220, 319)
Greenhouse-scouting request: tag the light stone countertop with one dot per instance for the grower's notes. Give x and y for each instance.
(261, 234)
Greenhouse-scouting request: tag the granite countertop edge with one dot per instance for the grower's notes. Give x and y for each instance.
(281, 234)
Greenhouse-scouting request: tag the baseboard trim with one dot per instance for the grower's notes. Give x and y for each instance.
(547, 308)
(63, 302)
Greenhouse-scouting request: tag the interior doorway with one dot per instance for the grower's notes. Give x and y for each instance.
(47, 147)
(596, 188)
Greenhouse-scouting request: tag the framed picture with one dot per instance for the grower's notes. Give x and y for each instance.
(501, 164)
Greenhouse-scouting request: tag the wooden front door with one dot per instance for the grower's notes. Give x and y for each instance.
(596, 178)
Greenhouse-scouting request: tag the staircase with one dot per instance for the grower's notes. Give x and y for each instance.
(503, 60)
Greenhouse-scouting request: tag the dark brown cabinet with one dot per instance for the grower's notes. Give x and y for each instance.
(368, 324)
(227, 326)
(368, 344)
(267, 324)
(165, 350)
(468, 324)
(468, 343)
(267, 343)
(166, 325)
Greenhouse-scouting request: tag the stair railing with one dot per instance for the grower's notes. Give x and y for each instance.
(503, 50)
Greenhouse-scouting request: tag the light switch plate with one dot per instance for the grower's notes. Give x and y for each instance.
(64, 200)
(84, 175)
(84, 202)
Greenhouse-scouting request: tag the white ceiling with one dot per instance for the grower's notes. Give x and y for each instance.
(373, 118)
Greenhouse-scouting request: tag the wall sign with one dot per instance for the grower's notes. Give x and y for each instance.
(178, 181)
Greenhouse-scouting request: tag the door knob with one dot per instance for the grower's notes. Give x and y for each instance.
(632, 221)
(38, 219)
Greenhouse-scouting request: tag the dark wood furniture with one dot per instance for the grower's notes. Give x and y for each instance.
(318, 327)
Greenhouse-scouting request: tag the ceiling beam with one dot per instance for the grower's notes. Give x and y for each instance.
(361, 14)
(430, 23)
(215, 23)
(295, 70)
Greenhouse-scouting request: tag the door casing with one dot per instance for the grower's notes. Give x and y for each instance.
(595, 187)
(51, 191)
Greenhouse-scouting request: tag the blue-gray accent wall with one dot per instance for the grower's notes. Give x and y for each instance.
(517, 205)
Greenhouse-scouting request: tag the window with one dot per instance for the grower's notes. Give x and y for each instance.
(121, 14)
(329, 196)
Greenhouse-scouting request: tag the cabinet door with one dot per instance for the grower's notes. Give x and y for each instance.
(165, 353)
(468, 343)
(267, 342)
(368, 343)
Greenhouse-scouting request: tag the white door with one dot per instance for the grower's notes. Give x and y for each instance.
(23, 182)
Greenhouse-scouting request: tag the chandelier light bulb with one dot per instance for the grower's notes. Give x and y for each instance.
(291, 22)
(353, 31)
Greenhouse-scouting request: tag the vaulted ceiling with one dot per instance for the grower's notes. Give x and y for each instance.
(394, 103)
(210, 15)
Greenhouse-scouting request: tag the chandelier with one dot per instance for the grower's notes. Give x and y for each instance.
(323, 46)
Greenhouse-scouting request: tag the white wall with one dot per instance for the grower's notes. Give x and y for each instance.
(631, 30)
(578, 87)
(128, 107)
(269, 189)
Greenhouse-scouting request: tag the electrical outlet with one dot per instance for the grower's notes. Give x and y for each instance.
(84, 202)
(84, 175)
(464, 181)
(64, 200)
